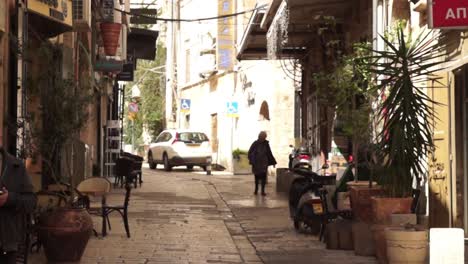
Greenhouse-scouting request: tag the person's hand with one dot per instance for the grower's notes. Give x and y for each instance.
(3, 197)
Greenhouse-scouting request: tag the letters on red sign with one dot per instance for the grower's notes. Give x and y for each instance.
(449, 13)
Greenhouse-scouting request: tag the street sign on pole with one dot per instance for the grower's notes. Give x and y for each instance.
(233, 109)
(185, 105)
(133, 107)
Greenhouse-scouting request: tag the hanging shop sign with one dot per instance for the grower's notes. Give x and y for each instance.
(143, 16)
(57, 10)
(108, 65)
(448, 14)
(127, 73)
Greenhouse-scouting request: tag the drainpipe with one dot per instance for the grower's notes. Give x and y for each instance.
(451, 188)
(374, 24)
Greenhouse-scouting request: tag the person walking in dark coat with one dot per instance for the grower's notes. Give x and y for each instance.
(17, 200)
(260, 157)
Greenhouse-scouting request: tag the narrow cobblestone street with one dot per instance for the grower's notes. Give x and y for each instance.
(189, 217)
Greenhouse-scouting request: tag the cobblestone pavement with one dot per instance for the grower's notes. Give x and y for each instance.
(189, 217)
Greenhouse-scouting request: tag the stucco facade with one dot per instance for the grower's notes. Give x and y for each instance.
(264, 93)
(257, 84)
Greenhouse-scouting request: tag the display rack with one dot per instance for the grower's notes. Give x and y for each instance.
(113, 144)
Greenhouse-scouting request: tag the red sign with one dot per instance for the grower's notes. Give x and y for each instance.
(448, 13)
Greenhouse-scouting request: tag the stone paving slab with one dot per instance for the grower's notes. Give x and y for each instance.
(189, 217)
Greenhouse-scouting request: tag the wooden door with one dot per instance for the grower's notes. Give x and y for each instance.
(439, 164)
(214, 133)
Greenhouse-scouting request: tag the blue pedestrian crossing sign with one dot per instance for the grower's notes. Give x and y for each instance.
(185, 105)
(233, 109)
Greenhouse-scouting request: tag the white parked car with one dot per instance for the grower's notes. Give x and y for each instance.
(178, 148)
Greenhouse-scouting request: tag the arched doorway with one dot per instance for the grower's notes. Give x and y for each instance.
(264, 117)
(264, 111)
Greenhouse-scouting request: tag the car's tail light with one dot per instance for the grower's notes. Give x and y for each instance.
(304, 157)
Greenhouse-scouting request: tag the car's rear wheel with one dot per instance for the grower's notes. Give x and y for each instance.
(167, 165)
(151, 162)
(189, 167)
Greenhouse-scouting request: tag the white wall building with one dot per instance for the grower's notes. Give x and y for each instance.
(208, 74)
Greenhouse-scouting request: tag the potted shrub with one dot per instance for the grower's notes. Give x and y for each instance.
(240, 162)
(61, 113)
(350, 91)
(405, 140)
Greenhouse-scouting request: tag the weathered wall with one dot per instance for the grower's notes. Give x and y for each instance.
(257, 82)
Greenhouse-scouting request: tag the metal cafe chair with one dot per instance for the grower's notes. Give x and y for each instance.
(137, 164)
(121, 209)
(125, 172)
(90, 190)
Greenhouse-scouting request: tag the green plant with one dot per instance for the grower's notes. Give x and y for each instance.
(236, 154)
(349, 89)
(150, 79)
(62, 112)
(405, 140)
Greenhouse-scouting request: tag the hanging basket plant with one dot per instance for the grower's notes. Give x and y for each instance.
(110, 36)
(110, 28)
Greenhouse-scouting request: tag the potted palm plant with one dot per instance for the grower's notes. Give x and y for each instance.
(405, 140)
(62, 112)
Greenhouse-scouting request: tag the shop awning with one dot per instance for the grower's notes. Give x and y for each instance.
(141, 43)
(253, 44)
(302, 23)
(50, 20)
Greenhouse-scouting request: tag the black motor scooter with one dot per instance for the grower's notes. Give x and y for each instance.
(305, 202)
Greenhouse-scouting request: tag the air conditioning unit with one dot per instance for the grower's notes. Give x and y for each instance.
(206, 65)
(82, 15)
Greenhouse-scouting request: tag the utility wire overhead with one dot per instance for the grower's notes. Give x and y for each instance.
(193, 19)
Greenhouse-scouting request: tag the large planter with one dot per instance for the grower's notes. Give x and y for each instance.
(64, 233)
(380, 243)
(110, 35)
(383, 208)
(360, 196)
(406, 245)
(241, 165)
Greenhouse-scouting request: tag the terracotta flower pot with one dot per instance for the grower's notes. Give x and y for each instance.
(64, 233)
(110, 35)
(406, 246)
(380, 244)
(383, 208)
(360, 196)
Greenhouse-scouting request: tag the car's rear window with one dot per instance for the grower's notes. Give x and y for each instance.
(192, 137)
